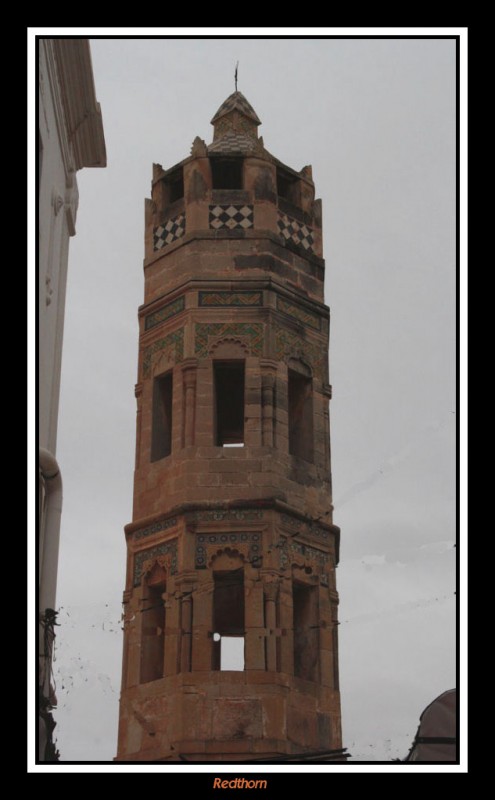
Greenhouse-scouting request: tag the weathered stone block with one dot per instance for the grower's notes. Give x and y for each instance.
(302, 727)
(236, 719)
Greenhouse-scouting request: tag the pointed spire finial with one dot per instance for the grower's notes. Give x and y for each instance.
(235, 75)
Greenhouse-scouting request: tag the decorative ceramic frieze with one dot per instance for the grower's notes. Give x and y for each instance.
(209, 544)
(164, 313)
(164, 554)
(249, 334)
(173, 342)
(230, 299)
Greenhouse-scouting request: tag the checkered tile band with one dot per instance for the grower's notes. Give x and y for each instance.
(169, 232)
(297, 232)
(231, 217)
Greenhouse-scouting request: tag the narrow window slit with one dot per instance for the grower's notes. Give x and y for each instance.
(306, 631)
(161, 435)
(228, 621)
(229, 403)
(300, 392)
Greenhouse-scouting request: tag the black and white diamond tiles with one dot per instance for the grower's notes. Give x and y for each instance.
(297, 232)
(171, 230)
(231, 217)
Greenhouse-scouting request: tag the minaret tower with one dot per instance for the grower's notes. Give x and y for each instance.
(230, 605)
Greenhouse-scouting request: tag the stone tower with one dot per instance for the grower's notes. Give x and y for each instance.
(230, 643)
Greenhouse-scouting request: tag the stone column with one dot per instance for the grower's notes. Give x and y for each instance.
(126, 617)
(202, 619)
(197, 187)
(325, 633)
(334, 599)
(186, 631)
(286, 624)
(185, 655)
(252, 407)
(132, 624)
(189, 387)
(327, 396)
(254, 617)
(268, 373)
(171, 644)
(138, 392)
(271, 594)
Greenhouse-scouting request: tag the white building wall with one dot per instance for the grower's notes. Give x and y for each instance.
(70, 137)
(57, 193)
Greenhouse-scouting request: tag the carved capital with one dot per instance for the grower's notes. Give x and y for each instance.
(270, 590)
(268, 365)
(189, 364)
(189, 368)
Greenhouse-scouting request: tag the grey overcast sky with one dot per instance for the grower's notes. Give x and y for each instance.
(376, 119)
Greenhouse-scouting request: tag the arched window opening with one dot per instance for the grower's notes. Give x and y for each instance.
(229, 403)
(228, 620)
